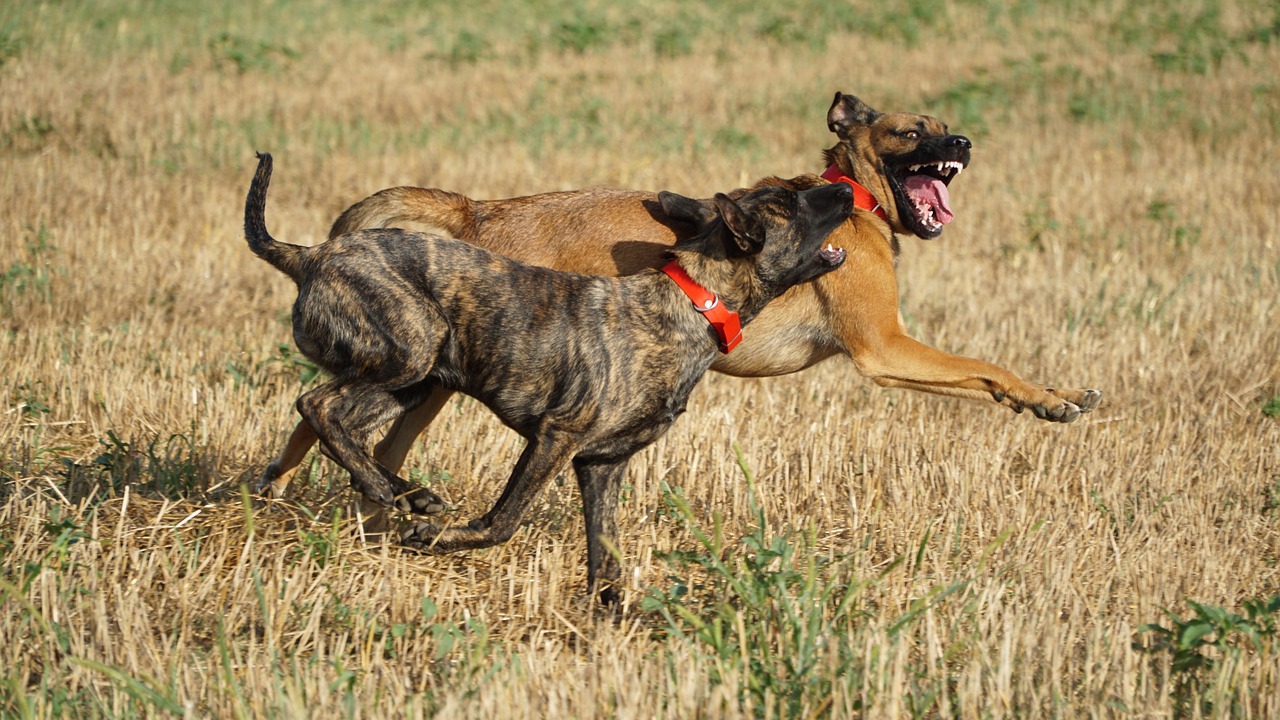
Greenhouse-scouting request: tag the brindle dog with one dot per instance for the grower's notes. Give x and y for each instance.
(589, 369)
(902, 164)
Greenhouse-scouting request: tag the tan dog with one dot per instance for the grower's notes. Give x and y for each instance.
(900, 165)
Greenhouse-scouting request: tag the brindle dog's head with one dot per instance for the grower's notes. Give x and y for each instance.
(906, 160)
(756, 247)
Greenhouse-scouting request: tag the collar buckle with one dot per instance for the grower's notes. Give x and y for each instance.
(723, 321)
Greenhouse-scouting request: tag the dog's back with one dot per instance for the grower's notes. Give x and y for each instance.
(556, 229)
(514, 336)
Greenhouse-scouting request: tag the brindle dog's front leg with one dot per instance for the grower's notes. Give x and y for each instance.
(546, 456)
(600, 484)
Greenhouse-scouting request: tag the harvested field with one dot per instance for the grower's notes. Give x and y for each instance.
(801, 546)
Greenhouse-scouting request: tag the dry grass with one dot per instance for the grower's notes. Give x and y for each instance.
(1117, 230)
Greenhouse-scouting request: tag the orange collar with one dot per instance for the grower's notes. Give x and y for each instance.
(862, 197)
(723, 320)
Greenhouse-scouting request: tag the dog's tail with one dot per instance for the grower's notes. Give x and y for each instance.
(441, 209)
(285, 257)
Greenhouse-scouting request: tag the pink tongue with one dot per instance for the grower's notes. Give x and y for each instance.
(930, 190)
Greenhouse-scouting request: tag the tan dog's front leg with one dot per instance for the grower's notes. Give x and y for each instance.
(899, 361)
(866, 293)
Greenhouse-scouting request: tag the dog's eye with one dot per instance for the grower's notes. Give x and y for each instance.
(911, 134)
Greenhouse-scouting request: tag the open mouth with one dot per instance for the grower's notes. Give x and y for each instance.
(832, 256)
(922, 190)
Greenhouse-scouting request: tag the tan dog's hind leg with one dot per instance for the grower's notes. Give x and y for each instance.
(278, 474)
(392, 450)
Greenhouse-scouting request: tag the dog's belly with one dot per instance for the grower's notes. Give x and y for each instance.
(773, 347)
(613, 401)
(609, 427)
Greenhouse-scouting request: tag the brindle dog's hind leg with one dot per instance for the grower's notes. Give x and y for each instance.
(390, 452)
(343, 413)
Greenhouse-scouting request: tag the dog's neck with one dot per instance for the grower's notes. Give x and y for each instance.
(725, 322)
(733, 281)
(862, 197)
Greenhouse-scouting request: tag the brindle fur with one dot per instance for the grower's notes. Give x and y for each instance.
(852, 312)
(588, 369)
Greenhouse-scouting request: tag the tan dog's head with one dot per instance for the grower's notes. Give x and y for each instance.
(906, 160)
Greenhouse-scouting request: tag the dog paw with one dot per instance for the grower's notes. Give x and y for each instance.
(1064, 413)
(1086, 400)
(270, 483)
(421, 536)
(609, 596)
(1090, 401)
(421, 501)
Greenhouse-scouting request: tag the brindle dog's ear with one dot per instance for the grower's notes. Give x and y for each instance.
(847, 111)
(698, 213)
(742, 225)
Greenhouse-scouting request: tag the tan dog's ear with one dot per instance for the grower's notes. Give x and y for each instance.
(743, 226)
(848, 111)
(698, 213)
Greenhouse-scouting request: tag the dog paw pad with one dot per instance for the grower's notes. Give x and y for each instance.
(420, 535)
(422, 502)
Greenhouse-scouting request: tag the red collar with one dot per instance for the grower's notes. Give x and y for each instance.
(722, 319)
(862, 197)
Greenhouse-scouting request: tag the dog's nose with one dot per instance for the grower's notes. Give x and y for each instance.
(959, 141)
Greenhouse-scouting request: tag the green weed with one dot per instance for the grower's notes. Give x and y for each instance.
(971, 103)
(1205, 649)
(467, 47)
(143, 693)
(733, 139)
(1182, 235)
(29, 134)
(35, 272)
(174, 467)
(64, 532)
(675, 40)
(11, 44)
(784, 621)
(1271, 408)
(28, 397)
(285, 360)
(912, 21)
(321, 546)
(246, 55)
(581, 34)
